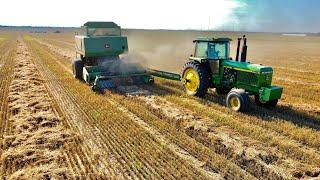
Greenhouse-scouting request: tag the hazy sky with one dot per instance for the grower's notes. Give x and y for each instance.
(250, 15)
(278, 15)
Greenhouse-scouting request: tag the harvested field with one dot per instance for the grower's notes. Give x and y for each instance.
(54, 126)
(35, 136)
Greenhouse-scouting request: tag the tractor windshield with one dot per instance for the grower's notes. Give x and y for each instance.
(218, 50)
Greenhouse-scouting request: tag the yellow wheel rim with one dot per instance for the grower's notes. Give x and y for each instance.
(192, 80)
(234, 103)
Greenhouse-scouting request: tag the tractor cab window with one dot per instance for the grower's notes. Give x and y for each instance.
(104, 32)
(201, 50)
(218, 50)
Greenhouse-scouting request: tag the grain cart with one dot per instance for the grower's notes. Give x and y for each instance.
(212, 67)
(100, 45)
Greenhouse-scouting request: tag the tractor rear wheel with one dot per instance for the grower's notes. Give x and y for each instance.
(238, 100)
(271, 103)
(195, 79)
(77, 69)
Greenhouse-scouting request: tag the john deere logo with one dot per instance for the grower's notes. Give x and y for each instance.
(107, 45)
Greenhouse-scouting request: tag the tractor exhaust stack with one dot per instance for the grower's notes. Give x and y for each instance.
(238, 49)
(244, 49)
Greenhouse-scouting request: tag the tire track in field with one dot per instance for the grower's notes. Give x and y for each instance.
(186, 157)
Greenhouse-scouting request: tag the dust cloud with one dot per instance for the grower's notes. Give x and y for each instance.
(125, 65)
(167, 50)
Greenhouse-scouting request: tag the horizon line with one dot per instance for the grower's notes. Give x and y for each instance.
(190, 29)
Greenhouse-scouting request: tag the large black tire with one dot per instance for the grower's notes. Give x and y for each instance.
(203, 77)
(242, 100)
(77, 69)
(267, 104)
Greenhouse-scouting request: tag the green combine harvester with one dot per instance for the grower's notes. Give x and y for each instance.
(100, 46)
(212, 67)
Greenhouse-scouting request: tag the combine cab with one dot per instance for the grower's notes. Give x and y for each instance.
(100, 45)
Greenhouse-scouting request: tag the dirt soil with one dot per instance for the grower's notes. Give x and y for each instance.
(33, 149)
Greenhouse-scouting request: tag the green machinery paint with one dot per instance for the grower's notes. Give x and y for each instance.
(213, 68)
(100, 45)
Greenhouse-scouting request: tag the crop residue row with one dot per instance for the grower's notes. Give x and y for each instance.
(34, 146)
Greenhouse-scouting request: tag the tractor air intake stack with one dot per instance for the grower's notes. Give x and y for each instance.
(238, 49)
(244, 49)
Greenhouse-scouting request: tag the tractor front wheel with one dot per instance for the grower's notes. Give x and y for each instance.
(195, 79)
(238, 100)
(77, 69)
(271, 103)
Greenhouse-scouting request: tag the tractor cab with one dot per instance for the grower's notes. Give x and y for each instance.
(211, 51)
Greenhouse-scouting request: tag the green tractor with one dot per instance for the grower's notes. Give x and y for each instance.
(212, 67)
(100, 46)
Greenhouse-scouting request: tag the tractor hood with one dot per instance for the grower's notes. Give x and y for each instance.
(246, 66)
